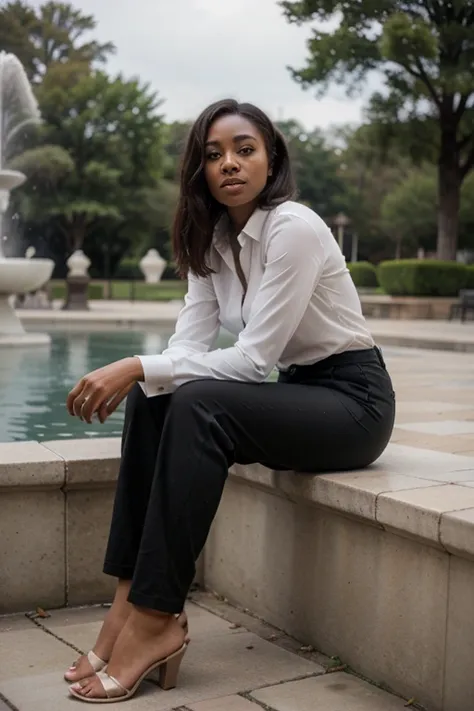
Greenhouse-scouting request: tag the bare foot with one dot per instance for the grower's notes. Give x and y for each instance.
(146, 637)
(110, 630)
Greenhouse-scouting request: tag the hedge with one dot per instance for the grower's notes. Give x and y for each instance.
(422, 277)
(470, 277)
(363, 274)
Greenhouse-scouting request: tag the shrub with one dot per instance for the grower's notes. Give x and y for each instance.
(128, 269)
(363, 274)
(470, 277)
(422, 277)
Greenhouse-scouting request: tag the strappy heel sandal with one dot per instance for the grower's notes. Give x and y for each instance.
(165, 672)
(96, 663)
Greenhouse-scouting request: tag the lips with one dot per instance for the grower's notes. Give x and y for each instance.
(232, 181)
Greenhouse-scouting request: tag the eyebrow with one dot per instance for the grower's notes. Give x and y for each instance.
(236, 139)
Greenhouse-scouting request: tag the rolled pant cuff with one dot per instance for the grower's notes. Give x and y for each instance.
(152, 602)
(116, 570)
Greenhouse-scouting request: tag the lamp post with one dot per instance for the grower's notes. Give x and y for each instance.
(341, 221)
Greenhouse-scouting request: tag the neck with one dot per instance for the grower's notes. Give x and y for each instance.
(240, 215)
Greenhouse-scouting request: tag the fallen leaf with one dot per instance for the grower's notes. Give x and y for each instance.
(234, 626)
(410, 702)
(42, 613)
(307, 648)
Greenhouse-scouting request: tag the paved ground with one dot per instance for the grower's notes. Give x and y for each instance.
(435, 399)
(233, 664)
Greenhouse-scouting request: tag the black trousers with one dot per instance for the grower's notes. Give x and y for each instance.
(177, 449)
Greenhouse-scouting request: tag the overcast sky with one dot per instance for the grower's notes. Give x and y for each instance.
(195, 51)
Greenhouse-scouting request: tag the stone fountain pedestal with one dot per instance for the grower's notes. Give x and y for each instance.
(18, 276)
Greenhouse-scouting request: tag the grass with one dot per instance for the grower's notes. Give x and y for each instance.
(127, 290)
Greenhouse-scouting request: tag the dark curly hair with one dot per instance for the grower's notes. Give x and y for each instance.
(198, 211)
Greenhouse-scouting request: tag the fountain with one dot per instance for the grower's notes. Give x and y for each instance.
(18, 109)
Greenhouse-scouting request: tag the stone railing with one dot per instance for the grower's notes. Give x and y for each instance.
(375, 566)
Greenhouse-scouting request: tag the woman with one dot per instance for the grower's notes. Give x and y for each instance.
(270, 271)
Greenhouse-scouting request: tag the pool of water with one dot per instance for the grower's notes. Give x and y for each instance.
(34, 383)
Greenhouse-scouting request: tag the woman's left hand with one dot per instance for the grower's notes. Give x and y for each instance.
(103, 390)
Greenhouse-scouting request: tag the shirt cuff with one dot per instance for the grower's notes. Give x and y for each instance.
(158, 374)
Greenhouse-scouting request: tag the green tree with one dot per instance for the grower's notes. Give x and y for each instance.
(110, 130)
(408, 212)
(55, 33)
(369, 177)
(426, 51)
(316, 169)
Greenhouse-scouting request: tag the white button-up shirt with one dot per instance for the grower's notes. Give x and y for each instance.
(301, 305)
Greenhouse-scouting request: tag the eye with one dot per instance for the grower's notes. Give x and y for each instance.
(246, 150)
(213, 155)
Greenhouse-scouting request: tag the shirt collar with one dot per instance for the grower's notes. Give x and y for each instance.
(253, 227)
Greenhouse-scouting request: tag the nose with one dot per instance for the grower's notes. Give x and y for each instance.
(230, 164)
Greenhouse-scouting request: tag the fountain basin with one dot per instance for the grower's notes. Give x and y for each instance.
(19, 276)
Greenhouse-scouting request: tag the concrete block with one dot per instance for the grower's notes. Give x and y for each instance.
(32, 555)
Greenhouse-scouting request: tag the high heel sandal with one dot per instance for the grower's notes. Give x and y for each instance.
(98, 664)
(165, 672)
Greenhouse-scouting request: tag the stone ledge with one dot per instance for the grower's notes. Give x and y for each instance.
(29, 465)
(89, 463)
(425, 495)
(420, 494)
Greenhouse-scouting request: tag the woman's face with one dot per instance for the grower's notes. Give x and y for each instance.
(237, 166)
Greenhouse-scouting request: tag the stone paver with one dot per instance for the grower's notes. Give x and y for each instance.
(435, 399)
(222, 661)
(331, 692)
(226, 703)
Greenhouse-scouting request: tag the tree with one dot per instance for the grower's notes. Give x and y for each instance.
(369, 176)
(426, 50)
(110, 130)
(55, 33)
(316, 169)
(408, 212)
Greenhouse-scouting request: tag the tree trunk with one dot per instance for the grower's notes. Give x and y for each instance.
(398, 247)
(449, 195)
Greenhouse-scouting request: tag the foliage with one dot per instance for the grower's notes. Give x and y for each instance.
(470, 277)
(52, 34)
(94, 291)
(409, 211)
(426, 52)
(363, 274)
(110, 131)
(422, 277)
(316, 170)
(369, 176)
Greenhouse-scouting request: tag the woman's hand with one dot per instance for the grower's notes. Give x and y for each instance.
(103, 390)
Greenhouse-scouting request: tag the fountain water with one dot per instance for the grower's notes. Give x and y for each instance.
(18, 109)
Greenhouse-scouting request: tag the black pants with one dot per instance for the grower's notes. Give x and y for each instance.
(177, 449)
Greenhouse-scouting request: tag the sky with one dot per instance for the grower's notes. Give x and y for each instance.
(193, 52)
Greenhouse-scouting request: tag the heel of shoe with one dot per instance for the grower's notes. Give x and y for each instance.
(168, 672)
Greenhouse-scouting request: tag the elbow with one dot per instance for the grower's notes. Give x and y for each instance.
(256, 368)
